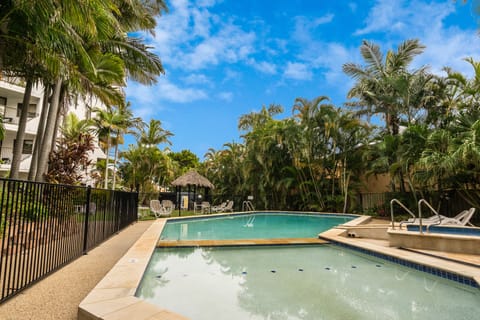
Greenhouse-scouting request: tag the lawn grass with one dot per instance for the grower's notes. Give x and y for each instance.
(144, 213)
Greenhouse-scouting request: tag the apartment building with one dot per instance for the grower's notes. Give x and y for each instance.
(11, 97)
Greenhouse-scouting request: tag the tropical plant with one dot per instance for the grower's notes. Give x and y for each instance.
(380, 80)
(68, 163)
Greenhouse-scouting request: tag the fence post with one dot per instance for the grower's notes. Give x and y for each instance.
(87, 211)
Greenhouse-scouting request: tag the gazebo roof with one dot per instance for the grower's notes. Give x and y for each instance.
(192, 178)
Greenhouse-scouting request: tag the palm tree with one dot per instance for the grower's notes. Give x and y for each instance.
(317, 120)
(83, 40)
(152, 134)
(437, 162)
(40, 47)
(373, 88)
(128, 121)
(107, 121)
(254, 119)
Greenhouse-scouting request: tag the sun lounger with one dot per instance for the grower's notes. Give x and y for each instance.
(220, 207)
(228, 207)
(158, 210)
(203, 207)
(461, 219)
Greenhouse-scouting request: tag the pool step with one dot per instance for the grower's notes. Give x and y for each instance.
(245, 242)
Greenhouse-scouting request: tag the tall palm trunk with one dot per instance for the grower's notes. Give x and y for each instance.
(105, 186)
(115, 163)
(49, 128)
(40, 131)
(58, 116)
(18, 146)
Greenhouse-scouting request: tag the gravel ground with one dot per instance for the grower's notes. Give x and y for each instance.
(58, 295)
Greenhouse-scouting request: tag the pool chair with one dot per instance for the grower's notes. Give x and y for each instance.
(228, 207)
(219, 208)
(203, 207)
(461, 219)
(158, 210)
(168, 205)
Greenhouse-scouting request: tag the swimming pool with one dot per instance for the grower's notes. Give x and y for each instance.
(298, 282)
(272, 225)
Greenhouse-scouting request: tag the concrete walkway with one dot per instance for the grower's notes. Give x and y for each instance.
(58, 295)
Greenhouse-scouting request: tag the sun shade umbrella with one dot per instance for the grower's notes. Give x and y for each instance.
(191, 178)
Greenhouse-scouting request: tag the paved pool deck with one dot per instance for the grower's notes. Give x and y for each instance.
(57, 296)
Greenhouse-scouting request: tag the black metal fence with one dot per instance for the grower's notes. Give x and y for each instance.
(45, 226)
(448, 203)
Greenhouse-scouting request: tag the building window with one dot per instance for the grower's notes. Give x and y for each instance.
(31, 112)
(27, 146)
(3, 105)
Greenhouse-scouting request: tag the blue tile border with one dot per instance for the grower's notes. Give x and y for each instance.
(417, 266)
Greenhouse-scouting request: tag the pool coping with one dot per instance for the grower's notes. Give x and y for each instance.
(114, 296)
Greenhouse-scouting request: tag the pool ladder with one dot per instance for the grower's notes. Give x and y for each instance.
(420, 202)
(247, 206)
(250, 222)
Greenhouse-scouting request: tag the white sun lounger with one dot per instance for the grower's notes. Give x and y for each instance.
(158, 210)
(461, 219)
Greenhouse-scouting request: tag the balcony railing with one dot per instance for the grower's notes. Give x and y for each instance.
(11, 115)
(6, 154)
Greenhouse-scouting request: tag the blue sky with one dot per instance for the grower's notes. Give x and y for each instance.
(226, 58)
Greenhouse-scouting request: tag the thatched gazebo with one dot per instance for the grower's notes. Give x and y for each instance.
(189, 179)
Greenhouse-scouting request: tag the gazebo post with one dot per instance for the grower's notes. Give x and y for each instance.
(179, 196)
(194, 196)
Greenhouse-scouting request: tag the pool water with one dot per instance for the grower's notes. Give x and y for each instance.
(252, 226)
(446, 229)
(298, 282)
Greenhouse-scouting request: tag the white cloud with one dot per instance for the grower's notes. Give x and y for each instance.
(264, 66)
(197, 79)
(207, 3)
(164, 90)
(145, 112)
(231, 75)
(168, 91)
(229, 45)
(140, 93)
(445, 46)
(226, 96)
(405, 16)
(193, 38)
(297, 71)
(323, 20)
(305, 25)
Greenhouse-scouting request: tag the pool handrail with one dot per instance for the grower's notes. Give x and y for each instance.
(247, 206)
(420, 215)
(402, 206)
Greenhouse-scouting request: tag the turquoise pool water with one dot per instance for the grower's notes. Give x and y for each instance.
(252, 226)
(458, 230)
(299, 282)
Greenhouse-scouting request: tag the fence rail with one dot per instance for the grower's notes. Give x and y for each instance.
(45, 226)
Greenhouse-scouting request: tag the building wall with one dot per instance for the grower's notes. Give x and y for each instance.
(376, 184)
(11, 94)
